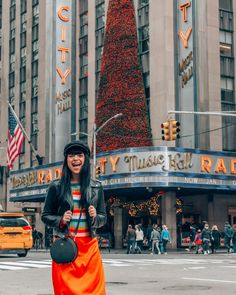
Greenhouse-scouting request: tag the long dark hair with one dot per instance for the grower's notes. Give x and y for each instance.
(65, 180)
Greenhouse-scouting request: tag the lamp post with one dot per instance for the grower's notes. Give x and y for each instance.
(95, 132)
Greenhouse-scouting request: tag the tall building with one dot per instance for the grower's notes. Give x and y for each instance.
(50, 61)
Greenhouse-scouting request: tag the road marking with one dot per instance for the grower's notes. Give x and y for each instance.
(24, 264)
(8, 267)
(39, 262)
(197, 267)
(210, 280)
(28, 264)
(198, 263)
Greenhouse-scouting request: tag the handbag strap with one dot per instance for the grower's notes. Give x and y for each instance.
(77, 227)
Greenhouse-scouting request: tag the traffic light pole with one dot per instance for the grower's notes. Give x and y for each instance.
(95, 132)
(222, 114)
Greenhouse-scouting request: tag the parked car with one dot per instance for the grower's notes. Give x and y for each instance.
(15, 234)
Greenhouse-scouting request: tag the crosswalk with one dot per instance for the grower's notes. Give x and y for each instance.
(194, 263)
(170, 261)
(22, 265)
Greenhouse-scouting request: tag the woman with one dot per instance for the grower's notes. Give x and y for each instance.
(165, 238)
(206, 238)
(139, 238)
(74, 192)
(215, 240)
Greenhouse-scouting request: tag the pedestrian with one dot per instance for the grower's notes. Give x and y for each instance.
(148, 236)
(198, 241)
(228, 231)
(77, 199)
(131, 239)
(215, 241)
(206, 238)
(139, 238)
(165, 238)
(155, 238)
(234, 238)
(192, 234)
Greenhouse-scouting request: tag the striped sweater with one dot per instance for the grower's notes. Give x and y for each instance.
(83, 230)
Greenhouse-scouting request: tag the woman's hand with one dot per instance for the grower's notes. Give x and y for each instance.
(92, 211)
(67, 217)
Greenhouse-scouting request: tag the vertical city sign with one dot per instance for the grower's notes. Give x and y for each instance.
(63, 17)
(185, 68)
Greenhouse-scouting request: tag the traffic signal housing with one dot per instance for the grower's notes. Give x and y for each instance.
(165, 131)
(174, 129)
(98, 171)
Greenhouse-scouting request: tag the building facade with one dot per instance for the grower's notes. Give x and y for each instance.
(50, 55)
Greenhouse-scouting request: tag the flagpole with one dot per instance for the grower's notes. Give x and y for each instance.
(39, 159)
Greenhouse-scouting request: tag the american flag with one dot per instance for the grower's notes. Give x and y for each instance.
(15, 139)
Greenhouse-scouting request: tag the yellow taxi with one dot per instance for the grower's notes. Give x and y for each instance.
(15, 234)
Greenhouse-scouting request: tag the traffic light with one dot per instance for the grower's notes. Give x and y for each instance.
(174, 130)
(165, 131)
(98, 171)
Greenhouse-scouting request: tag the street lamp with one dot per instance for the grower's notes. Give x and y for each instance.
(95, 132)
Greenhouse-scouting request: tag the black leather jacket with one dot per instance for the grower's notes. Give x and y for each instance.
(55, 208)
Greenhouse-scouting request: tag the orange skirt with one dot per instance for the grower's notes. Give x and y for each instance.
(83, 276)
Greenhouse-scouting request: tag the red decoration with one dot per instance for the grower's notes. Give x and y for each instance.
(121, 88)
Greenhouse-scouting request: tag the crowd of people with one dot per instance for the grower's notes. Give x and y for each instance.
(203, 240)
(155, 238)
(209, 239)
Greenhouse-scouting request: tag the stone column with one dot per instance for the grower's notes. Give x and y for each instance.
(211, 217)
(118, 227)
(169, 216)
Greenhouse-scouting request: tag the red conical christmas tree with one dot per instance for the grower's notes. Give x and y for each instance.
(121, 88)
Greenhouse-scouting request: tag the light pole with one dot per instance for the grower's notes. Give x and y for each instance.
(95, 132)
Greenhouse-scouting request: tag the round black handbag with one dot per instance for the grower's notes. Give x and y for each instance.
(64, 250)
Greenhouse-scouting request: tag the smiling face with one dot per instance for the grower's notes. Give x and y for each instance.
(75, 162)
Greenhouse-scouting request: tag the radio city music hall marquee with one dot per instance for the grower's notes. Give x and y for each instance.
(137, 167)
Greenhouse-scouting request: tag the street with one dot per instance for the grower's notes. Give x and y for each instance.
(175, 273)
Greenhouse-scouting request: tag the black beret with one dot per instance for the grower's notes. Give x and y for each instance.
(76, 145)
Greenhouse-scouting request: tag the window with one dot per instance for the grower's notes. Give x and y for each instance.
(143, 2)
(12, 33)
(227, 66)
(12, 67)
(226, 37)
(34, 68)
(22, 109)
(12, 46)
(143, 15)
(83, 45)
(22, 74)
(225, 49)
(23, 6)
(34, 105)
(225, 5)
(226, 20)
(11, 79)
(227, 83)
(100, 15)
(99, 37)
(23, 87)
(84, 24)
(12, 12)
(83, 86)
(35, 15)
(83, 107)
(35, 33)
(35, 2)
(23, 39)
(83, 4)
